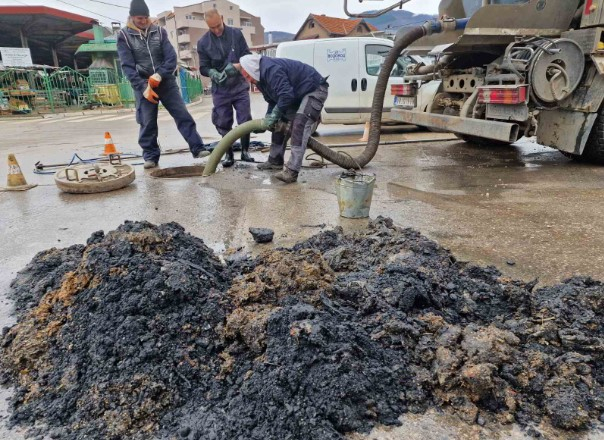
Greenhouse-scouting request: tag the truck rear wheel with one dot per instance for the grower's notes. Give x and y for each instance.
(594, 149)
(482, 142)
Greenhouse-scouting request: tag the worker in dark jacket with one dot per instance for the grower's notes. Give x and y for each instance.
(219, 52)
(295, 92)
(149, 61)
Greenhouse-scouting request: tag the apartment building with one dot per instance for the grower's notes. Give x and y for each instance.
(185, 26)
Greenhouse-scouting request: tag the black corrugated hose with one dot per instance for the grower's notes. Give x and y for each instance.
(375, 122)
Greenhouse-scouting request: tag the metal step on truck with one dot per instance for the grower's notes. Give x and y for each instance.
(519, 68)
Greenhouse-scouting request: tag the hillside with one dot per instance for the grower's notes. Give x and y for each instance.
(398, 18)
(278, 36)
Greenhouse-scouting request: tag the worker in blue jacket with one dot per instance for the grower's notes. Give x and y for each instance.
(219, 52)
(149, 62)
(295, 92)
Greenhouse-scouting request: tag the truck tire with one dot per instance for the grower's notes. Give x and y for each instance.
(594, 148)
(482, 142)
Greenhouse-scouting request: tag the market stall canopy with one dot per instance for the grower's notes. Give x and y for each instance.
(44, 30)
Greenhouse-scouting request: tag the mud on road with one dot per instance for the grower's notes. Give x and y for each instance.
(144, 332)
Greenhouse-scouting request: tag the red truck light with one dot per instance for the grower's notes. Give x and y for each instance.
(502, 94)
(403, 89)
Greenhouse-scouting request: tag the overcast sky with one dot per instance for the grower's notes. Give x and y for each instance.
(277, 15)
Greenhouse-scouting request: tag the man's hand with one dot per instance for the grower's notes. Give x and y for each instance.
(150, 95)
(218, 77)
(270, 120)
(154, 80)
(231, 70)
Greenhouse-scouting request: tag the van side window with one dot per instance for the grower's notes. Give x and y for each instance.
(374, 57)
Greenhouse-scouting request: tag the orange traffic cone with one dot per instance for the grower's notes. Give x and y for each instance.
(15, 180)
(109, 145)
(365, 137)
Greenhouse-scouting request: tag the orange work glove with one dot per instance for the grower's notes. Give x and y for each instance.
(150, 95)
(154, 80)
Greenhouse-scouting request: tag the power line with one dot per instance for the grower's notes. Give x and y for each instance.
(87, 10)
(110, 4)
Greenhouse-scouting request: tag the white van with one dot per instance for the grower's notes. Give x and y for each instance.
(353, 65)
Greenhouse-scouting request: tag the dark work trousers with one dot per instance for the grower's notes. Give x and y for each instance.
(225, 101)
(302, 125)
(169, 95)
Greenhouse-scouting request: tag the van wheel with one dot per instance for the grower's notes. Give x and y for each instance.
(482, 142)
(594, 149)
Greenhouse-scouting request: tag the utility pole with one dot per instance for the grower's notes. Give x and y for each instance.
(176, 34)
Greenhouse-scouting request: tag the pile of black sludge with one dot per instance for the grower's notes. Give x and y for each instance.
(143, 333)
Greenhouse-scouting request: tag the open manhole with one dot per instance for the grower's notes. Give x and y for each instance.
(178, 172)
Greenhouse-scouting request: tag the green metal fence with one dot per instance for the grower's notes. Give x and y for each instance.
(51, 91)
(47, 90)
(22, 90)
(191, 86)
(67, 88)
(126, 93)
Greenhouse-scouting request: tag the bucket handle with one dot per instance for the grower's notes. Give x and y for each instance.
(351, 158)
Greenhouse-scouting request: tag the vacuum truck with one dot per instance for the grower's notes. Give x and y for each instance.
(518, 68)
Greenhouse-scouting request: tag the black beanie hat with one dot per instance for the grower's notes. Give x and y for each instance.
(139, 8)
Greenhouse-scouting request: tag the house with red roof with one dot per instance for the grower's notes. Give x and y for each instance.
(321, 26)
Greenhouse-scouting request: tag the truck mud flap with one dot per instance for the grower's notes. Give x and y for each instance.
(565, 130)
(498, 131)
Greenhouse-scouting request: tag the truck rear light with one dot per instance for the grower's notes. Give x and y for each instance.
(502, 94)
(403, 89)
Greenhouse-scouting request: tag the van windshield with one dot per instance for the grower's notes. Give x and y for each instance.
(375, 55)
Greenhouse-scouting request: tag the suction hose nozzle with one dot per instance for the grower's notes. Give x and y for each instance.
(228, 140)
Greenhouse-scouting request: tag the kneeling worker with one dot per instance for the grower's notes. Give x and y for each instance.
(149, 61)
(295, 92)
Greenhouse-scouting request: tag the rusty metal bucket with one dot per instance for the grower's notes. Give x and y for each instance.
(354, 192)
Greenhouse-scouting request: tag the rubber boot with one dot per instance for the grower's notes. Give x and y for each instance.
(230, 159)
(245, 147)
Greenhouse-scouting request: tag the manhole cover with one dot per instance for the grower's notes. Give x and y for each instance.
(178, 172)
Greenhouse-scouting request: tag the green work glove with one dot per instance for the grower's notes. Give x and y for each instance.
(218, 77)
(230, 70)
(270, 120)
